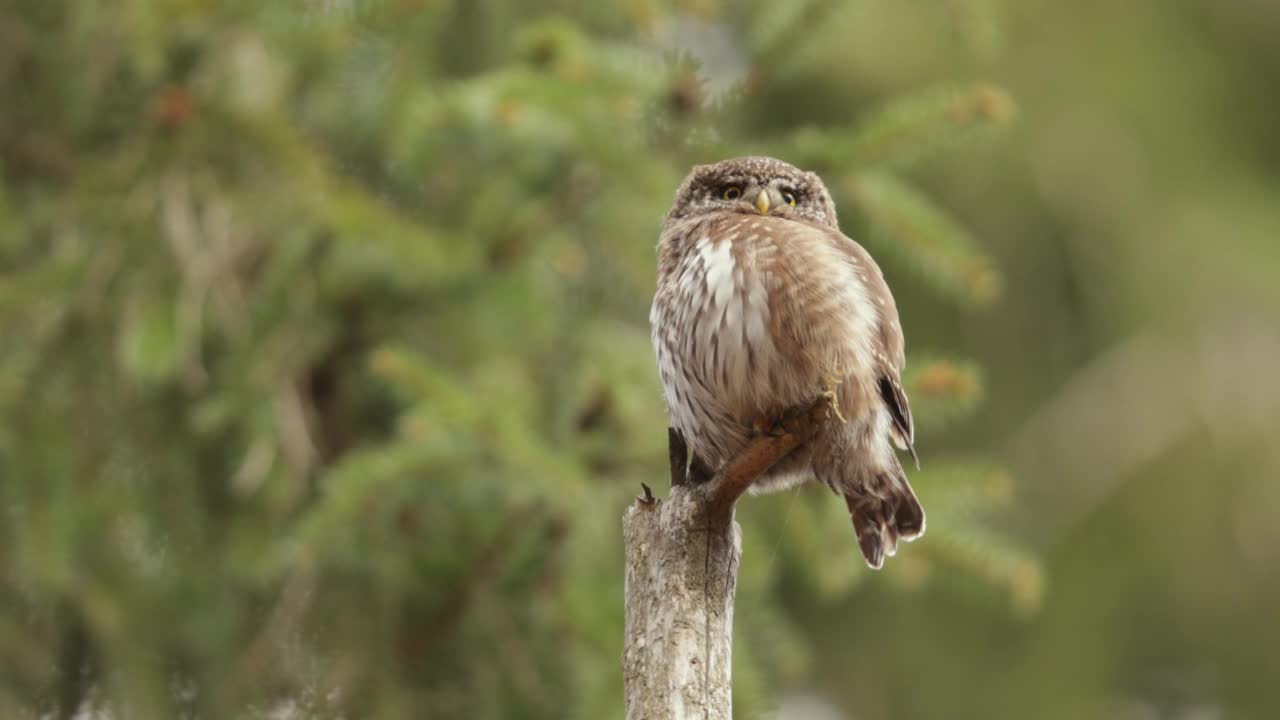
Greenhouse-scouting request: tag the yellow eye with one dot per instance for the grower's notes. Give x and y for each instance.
(789, 197)
(733, 192)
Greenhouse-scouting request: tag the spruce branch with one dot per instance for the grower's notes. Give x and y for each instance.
(928, 238)
(909, 128)
(942, 391)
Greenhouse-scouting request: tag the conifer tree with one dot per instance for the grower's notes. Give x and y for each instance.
(327, 372)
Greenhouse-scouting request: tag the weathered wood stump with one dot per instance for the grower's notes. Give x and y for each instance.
(682, 558)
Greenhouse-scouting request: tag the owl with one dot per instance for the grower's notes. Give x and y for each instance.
(762, 305)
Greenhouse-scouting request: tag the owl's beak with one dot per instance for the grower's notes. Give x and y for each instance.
(762, 201)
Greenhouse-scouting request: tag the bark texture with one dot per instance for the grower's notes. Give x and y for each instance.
(681, 575)
(682, 558)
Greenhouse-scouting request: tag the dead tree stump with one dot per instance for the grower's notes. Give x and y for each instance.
(682, 558)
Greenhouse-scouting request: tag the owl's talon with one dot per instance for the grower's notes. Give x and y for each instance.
(833, 384)
(834, 402)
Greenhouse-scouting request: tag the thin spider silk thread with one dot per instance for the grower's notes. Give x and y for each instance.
(786, 520)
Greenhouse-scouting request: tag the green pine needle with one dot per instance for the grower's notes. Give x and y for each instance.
(909, 128)
(914, 228)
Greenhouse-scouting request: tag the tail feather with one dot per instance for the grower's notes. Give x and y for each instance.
(884, 512)
(867, 525)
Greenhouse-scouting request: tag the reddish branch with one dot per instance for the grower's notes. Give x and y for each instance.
(722, 490)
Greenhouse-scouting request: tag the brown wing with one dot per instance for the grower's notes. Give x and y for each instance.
(892, 354)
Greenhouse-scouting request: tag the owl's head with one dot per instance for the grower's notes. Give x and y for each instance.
(754, 185)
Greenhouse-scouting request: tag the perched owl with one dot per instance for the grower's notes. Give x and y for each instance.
(763, 305)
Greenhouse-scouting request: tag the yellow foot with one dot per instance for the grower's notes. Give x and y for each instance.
(833, 385)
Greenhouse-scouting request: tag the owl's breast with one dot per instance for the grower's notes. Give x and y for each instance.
(753, 315)
(712, 326)
(729, 340)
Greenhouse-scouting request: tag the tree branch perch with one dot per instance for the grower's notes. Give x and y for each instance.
(682, 558)
(797, 427)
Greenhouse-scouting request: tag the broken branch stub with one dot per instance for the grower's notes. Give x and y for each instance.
(682, 558)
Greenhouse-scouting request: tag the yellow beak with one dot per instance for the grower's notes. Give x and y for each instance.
(762, 202)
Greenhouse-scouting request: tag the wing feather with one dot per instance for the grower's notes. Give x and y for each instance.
(891, 355)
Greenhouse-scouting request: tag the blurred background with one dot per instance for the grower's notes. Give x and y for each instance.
(326, 372)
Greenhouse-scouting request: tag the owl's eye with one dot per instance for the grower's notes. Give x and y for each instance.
(733, 192)
(789, 197)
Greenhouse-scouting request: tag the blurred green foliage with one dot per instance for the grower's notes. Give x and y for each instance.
(326, 372)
